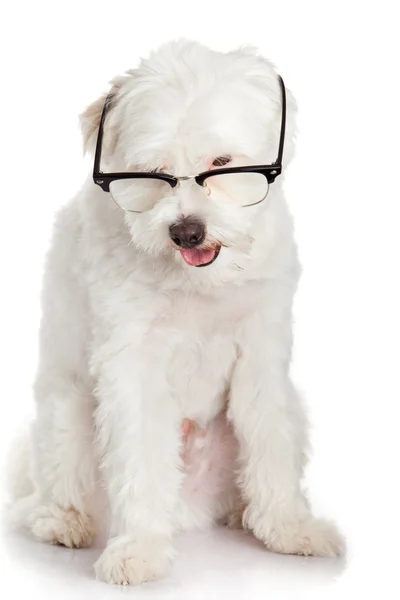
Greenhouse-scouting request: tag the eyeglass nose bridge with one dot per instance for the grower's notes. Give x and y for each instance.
(188, 178)
(185, 178)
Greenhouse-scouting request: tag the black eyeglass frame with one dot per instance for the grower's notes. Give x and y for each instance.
(270, 172)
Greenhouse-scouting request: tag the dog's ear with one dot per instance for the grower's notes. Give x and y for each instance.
(262, 75)
(90, 119)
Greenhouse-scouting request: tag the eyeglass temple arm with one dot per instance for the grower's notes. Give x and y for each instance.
(99, 143)
(283, 122)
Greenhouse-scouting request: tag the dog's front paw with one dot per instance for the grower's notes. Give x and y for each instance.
(309, 537)
(312, 537)
(127, 561)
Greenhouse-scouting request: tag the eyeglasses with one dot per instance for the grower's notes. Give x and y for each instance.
(240, 186)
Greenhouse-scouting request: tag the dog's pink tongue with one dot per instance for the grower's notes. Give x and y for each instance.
(195, 257)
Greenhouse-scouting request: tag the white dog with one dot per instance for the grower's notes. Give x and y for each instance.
(165, 383)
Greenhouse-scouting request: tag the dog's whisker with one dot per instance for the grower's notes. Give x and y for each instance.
(238, 267)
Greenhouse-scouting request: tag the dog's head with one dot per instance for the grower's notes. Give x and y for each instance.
(188, 110)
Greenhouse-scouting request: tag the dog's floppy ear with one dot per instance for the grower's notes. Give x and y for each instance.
(262, 75)
(90, 119)
(89, 122)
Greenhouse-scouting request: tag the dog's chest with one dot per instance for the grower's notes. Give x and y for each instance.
(202, 354)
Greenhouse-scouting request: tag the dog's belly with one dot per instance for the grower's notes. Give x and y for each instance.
(209, 492)
(199, 373)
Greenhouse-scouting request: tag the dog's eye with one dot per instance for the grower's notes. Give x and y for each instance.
(220, 161)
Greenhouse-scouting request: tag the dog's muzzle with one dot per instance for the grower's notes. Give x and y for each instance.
(188, 236)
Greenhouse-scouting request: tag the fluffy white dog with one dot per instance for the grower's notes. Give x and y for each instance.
(164, 383)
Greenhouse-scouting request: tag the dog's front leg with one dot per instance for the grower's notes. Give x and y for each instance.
(138, 428)
(271, 428)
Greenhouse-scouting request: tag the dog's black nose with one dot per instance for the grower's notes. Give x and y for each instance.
(189, 232)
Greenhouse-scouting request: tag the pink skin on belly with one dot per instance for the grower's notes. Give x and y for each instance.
(209, 457)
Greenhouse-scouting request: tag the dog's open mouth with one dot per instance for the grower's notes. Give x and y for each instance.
(197, 257)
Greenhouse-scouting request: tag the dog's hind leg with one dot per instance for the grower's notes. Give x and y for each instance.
(61, 466)
(55, 472)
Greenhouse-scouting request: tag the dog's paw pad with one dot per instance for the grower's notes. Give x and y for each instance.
(66, 527)
(129, 562)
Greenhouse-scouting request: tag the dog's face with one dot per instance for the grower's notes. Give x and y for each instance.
(184, 111)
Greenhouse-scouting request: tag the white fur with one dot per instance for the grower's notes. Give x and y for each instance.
(134, 341)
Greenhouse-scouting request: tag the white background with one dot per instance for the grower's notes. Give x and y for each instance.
(339, 58)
